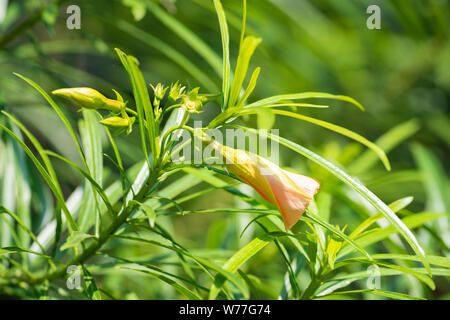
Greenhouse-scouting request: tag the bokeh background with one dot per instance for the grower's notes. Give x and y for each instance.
(400, 73)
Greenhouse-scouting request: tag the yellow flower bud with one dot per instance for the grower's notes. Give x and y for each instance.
(118, 122)
(89, 98)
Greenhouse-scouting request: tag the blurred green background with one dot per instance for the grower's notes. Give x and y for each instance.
(400, 73)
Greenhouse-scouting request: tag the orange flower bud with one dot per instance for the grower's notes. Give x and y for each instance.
(288, 191)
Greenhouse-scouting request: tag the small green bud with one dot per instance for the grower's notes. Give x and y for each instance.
(118, 122)
(192, 102)
(176, 91)
(159, 91)
(89, 98)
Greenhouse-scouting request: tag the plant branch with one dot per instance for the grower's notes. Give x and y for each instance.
(104, 236)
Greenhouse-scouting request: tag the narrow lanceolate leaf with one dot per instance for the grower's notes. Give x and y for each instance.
(341, 130)
(91, 288)
(303, 95)
(377, 234)
(143, 99)
(432, 260)
(387, 142)
(202, 263)
(358, 187)
(316, 219)
(436, 186)
(94, 183)
(226, 68)
(177, 286)
(250, 87)
(238, 259)
(23, 194)
(90, 130)
(8, 250)
(143, 104)
(48, 165)
(395, 206)
(22, 225)
(382, 293)
(58, 112)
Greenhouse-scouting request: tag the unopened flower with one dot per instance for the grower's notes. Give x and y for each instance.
(288, 191)
(118, 122)
(176, 91)
(89, 98)
(159, 91)
(192, 102)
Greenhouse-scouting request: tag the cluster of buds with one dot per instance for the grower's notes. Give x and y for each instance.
(160, 92)
(119, 119)
(192, 102)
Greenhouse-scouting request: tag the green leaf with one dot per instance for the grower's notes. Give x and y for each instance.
(22, 225)
(340, 130)
(384, 272)
(75, 239)
(421, 277)
(239, 258)
(382, 293)
(91, 288)
(58, 112)
(72, 225)
(333, 247)
(375, 235)
(250, 87)
(200, 261)
(395, 206)
(226, 68)
(49, 16)
(143, 104)
(148, 211)
(335, 231)
(303, 95)
(90, 130)
(387, 142)
(437, 187)
(432, 260)
(7, 250)
(48, 165)
(94, 183)
(245, 53)
(179, 287)
(138, 9)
